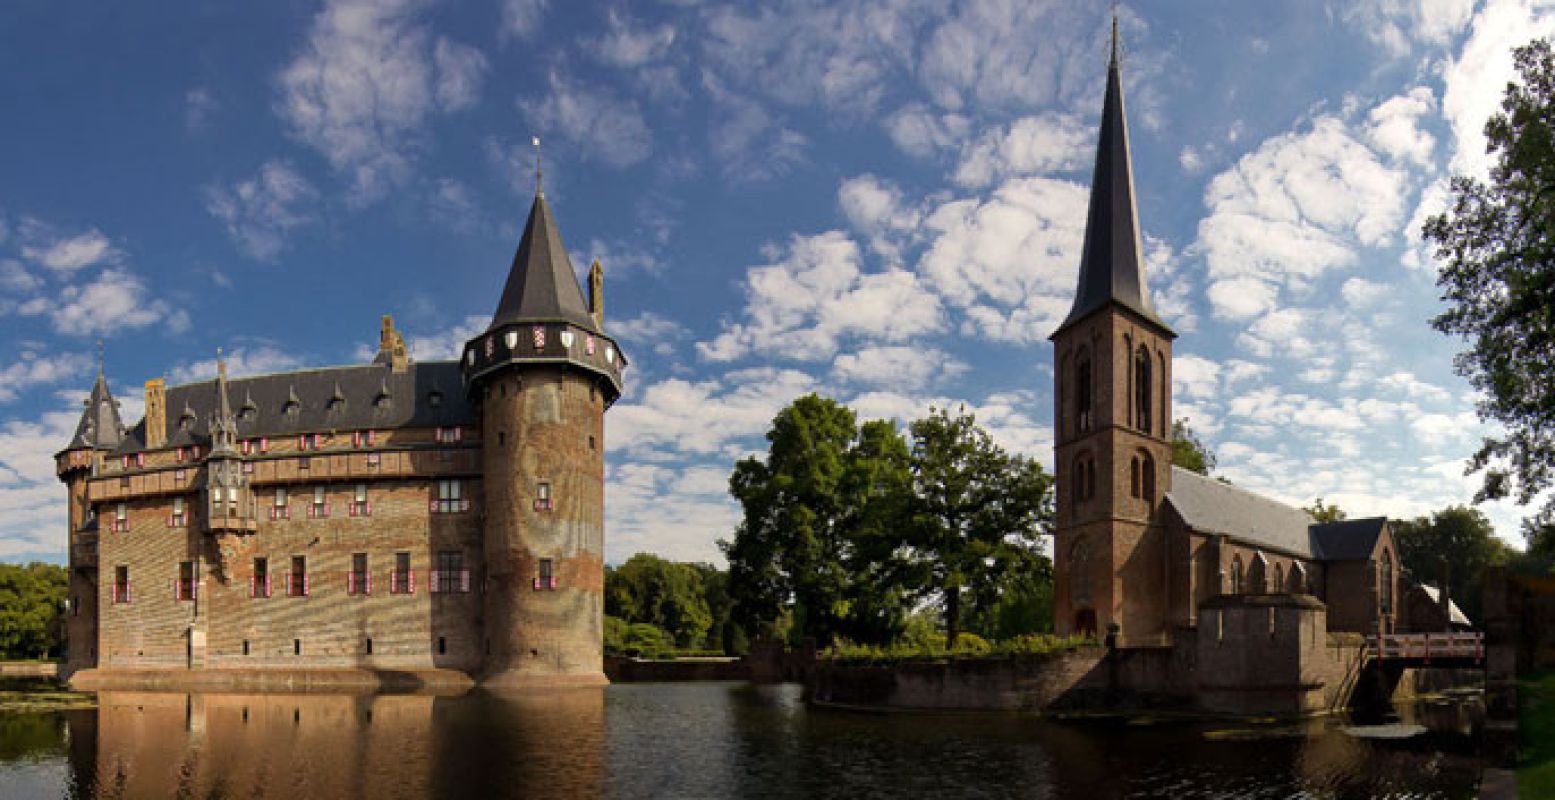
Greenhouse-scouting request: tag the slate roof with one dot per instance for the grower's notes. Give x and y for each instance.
(100, 427)
(1112, 267)
(363, 397)
(1209, 506)
(1458, 617)
(1350, 539)
(542, 286)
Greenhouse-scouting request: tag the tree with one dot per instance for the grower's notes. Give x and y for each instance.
(808, 516)
(1459, 535)
(1190, 452)
(667, 595)
(1325, 513)
(1496, 245)
(32, 600)
(977, 514)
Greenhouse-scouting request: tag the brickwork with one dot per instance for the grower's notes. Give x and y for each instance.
(544, 425)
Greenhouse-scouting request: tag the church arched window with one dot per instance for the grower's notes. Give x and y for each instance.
(1236, 574)
(1080, 573)
(1142, 395)
(1090, 478)
(1298, 579)
(1084, 397)
(1279, 578)
(1077, 493)
(1133, 477)
(1148, 478)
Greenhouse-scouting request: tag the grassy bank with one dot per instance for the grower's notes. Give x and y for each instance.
(1536, 726)
(967, 646)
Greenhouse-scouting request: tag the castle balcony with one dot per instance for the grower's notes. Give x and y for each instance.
(231, 524)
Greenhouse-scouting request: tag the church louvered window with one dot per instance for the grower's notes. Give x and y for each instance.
(1084, 398)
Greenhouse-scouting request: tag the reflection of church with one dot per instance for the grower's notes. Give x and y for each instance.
(1141, 544)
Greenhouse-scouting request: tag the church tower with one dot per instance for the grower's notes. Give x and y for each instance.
(541, 377)
(1112, 415)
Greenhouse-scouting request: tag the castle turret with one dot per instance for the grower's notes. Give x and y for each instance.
(99, 431)
(229, 506)
(542, 376)
(1112, 421)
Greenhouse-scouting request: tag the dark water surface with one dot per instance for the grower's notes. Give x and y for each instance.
(691, 741)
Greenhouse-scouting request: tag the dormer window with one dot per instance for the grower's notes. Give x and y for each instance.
(291, 408)
(435, 399)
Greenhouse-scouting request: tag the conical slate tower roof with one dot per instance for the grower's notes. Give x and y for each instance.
(542, 286)
(1112, 266)
(100, 427)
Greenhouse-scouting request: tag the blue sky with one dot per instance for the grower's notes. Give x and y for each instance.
(881, 201)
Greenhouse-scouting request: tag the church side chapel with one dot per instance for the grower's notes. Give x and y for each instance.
(1142, 545)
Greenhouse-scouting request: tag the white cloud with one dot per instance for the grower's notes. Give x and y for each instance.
(649, 330)
(115, 300)
(1476, 79)
(34, 367)
(1195, 377)
(1397, 24)
(261, 212)
(921, 132)
(1011, 261)
(675, 418)
(1394, 127)
(994, 54)
(364, 84)
(876, 208)
(32, 502)
(444, 345)
(1435, 429)
(1298, 206)
(748, 140)
(616, 259)
(1281, 330)
(1360, 293)
(814, 295)
(896, 366)
(1027, 146)
(603, 126)
(522, 18)
(64, 254)
(628, 46)
(241, 361)
(15, 278)
(685, 530)
(199, 106)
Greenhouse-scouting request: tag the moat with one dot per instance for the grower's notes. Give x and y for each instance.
(701, 740)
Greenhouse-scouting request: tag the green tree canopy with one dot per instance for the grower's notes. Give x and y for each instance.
(1325, 513)
(1189, 451)
(1496, 248)
(1461, 536)
(668, 595)
(977, 515)
(32, 599)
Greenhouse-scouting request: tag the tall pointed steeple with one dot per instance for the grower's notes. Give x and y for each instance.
(100, 427)
(1112, 265)
(541, 285)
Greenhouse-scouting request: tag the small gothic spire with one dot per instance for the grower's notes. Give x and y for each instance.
(539, 170)
(224, 428)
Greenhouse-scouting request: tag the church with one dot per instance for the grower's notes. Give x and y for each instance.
(442, 520)
(1140, 544)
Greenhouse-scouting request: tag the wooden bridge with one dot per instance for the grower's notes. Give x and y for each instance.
(1441, 650)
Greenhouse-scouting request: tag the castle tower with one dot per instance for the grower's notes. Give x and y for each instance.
(99, 431)
(1112, 415)
(542, 376)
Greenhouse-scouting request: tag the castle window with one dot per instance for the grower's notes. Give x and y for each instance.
(75, 606)
(259, 582)
(369, 651)
(402, 580)
(1148, 478)
(360, 506)
(1133, 476)
(180, 475)
(245, 652)
(359, 580)
(308, 441)
(543, 496)
(1236, 574)
(179, 517)
(442, 646)
(592, 445)
(121, 584)
(449, 435)
(450, 498)
(278, 507)
(1083, 392)
(319, 509)
(297, 584)
(296, 651)
(121, 517)
(1142, 387)
(545, 575)
(450, 575)
(364, 438)
(184, 587)
(180, 454)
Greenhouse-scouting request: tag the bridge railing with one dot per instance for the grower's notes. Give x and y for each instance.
(1426, 646)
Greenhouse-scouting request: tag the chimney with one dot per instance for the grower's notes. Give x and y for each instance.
(391, 346)
(156, 413)
(597, 294)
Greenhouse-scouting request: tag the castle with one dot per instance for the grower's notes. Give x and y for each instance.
(1141, 545)
(396, 516)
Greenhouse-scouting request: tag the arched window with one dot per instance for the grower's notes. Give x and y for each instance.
(1258, 575)
(1080, 573)
(1236, 574)
(1077, 493)
(1083, 394)
(1133, 477)
(1385, 581)
(1090, 478)
(1142, 395)
(1148, 468)
(1298, 579)
(1279, 578)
